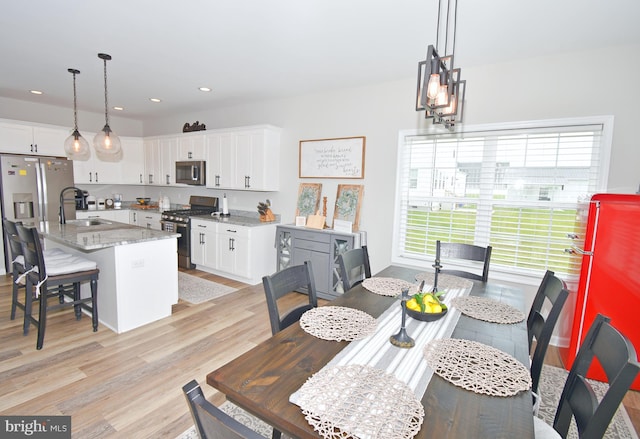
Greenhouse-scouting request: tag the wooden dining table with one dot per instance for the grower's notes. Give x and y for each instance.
(261, 380)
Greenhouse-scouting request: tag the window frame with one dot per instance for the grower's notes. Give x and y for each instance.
(515, 274)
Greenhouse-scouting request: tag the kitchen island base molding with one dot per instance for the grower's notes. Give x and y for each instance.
(145, 287)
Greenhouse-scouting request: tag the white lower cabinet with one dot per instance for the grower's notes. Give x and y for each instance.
(233, 250)
(121, 216)
(149, 220)
(238, 252)
(204, 245)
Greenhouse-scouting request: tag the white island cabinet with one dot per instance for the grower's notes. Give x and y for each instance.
(138, 281)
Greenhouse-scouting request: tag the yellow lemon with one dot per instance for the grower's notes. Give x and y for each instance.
(413, 304)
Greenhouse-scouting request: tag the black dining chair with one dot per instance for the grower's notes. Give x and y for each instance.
(210, 421)
(578, 401)
(552, 291)
(354, 267)
(469, 252)
(57, 278)
(17, 266)
(294, 278)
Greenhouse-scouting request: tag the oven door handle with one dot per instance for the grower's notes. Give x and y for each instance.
(175, 225)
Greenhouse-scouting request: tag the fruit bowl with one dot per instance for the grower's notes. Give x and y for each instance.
(426, 316)
(143, 201)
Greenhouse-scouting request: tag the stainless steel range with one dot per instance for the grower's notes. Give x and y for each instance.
(180, 221)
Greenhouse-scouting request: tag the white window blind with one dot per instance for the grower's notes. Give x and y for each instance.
(516, 188)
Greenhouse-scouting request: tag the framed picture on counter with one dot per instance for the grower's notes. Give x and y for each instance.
(308, 199)
(348, 201)
(332, 158)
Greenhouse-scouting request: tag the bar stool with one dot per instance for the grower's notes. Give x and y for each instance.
(17, 264)
(58, 277)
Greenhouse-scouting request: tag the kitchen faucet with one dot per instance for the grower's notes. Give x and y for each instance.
(62, 218)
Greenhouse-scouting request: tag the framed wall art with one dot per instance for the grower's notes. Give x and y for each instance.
(332, 158)
(309, 195)
(348, 202)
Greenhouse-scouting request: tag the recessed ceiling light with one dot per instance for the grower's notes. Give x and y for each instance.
(155, 100)
(204, 89)
(35, 92)
(118, 108)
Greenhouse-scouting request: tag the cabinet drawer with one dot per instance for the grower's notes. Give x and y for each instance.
(304, 244)
(235, 231)
(312, 236)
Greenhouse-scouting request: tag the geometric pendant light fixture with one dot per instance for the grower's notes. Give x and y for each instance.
(76, 147)
(106, 142)
(440, 89)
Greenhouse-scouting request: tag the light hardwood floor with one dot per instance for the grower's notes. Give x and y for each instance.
(130, 385)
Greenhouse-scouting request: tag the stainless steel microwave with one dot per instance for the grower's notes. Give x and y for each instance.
(191, 172)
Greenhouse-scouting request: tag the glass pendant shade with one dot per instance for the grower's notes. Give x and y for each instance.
(76, 147)
(106, 142)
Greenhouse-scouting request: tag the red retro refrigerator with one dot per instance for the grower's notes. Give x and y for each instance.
(609, 281)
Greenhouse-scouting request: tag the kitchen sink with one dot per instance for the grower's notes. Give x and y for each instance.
(88, 222)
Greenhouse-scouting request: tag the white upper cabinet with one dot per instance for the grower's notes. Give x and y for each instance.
(129, 170)
(32, 139)
(168, 152)
(95, 171)
(221, 157)
(152, 167)
(132, 161)
(244, 159)
(192, 146)
(159, 160)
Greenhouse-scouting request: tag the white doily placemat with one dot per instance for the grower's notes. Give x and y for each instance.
(358, 401)
(477, 367)
(386, 286)
(489, 310)
(338, 323)
(445, 281)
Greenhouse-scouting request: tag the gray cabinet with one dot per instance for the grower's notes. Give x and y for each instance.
(294, 245)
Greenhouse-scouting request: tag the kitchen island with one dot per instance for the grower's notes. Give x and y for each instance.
(138, 280)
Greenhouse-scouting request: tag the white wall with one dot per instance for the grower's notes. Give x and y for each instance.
(87, 122)
(545, 88)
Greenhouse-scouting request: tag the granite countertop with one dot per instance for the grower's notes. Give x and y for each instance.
(238, 218)
(78, 235)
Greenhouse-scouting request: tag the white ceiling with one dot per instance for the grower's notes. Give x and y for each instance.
(248, 50)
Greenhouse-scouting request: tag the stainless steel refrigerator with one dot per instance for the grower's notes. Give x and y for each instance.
(31, 189)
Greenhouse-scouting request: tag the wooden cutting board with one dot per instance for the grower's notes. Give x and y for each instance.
(144, 206)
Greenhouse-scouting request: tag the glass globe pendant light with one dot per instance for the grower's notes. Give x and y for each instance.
(76, 147)
(106, 142)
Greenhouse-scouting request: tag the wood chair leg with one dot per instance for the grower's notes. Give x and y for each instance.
(14, 294)
(77, 307)
(94, 303)
(28, 304)
(42, 323)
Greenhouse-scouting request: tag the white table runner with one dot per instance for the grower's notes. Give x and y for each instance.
(407, 365)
